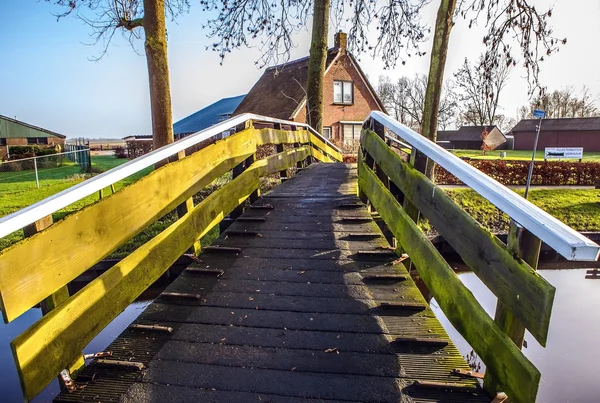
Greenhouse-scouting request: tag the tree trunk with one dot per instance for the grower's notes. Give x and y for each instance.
(439, 51)
(158, 72)
(316, 65)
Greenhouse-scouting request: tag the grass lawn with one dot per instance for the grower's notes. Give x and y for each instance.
(521, 155)
(17, 189)
(580, 209)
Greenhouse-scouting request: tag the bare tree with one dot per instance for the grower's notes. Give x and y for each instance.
(564, 103)
(479, 92)
(406, 99)
(271, 25)
(508, 22)
(107, 17)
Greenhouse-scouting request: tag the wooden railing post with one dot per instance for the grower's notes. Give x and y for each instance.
(186, 206)
(379, 129)
(56, 298)
(299, 164)
(279, 148)
(527, 246)
(237, 171)
(363, 154)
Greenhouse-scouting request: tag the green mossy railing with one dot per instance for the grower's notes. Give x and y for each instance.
(400, 194)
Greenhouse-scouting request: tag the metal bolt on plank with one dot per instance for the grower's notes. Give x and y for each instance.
(151, 328)
(123, 364)
(180, 295)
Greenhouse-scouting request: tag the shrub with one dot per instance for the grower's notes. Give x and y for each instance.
(120, 152)
(547, 173)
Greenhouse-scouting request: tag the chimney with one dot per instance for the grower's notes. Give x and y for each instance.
(341, 40)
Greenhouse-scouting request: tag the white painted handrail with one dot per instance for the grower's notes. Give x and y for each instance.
(19, 219)
(562, 238)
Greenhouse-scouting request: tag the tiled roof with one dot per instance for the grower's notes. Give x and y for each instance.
(280, 89)
(565, 124)
(207, 116)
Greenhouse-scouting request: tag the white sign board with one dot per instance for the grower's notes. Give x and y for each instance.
(563, 153)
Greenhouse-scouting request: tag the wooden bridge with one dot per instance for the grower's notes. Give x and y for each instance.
(302, 297)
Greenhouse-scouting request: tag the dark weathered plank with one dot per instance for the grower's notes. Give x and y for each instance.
(293, 316)
(287, 383)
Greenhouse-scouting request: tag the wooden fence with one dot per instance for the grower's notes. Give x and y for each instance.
(400, 193)
(38, 269)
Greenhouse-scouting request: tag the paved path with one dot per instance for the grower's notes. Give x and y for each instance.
(308, 308)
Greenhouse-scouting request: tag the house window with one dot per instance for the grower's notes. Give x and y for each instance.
(37, 140)
(327, 132)
(343, 92)
(351, 134)
(2, 141)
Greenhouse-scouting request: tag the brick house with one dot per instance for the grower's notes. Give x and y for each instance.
(566, 132)
(348, 97)
(16, 133)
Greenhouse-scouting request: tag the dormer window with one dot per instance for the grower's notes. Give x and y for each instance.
(343, 92)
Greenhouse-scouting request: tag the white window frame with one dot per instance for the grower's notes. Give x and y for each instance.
(327, 132)
(343, 85)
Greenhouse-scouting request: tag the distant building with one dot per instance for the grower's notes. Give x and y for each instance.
(16, 133)
(469, 138)
(138, 137)
(348, 97)
(567, 132)
(206, 117)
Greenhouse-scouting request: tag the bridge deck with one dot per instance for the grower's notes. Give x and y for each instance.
(302, 312)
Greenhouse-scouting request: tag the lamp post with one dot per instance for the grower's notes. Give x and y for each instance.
(538, 113)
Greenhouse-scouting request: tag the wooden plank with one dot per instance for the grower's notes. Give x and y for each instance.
(53, 342)
(281, 161)
(516, 284)
(517, 375)
(277, 136)
(320, 156)
(326, 148)
(54, 257)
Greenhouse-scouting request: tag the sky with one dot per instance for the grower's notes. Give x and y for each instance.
(47, 78)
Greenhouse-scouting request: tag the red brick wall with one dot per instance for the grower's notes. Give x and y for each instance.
(364, 102)
(590, 141)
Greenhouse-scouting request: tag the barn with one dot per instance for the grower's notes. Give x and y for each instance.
(470, 138)
(567, 132)
(16, 133)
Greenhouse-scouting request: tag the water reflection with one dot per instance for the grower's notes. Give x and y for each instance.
(9, 380)
(570, 363)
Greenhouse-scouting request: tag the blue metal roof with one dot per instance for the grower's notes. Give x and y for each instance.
(208, 116)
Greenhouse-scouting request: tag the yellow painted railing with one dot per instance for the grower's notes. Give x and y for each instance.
(38, 269)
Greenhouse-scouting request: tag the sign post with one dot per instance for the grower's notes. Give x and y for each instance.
(537, 113)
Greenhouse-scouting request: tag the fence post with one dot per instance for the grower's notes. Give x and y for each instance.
(183, 208)
(237, 171)
(527, 246)
(279, 148)
(56, 298)
(37, 180)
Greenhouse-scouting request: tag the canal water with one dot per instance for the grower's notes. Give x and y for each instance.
(570, 364)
